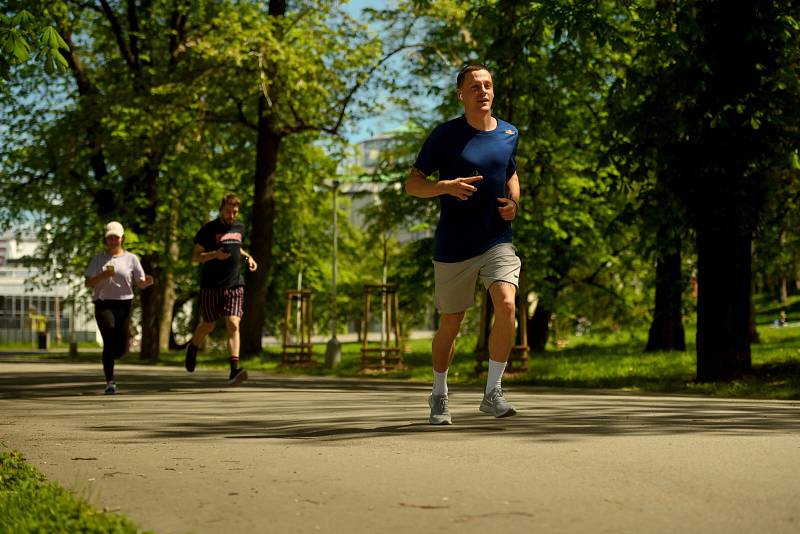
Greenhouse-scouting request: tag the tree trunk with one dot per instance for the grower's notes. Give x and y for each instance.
(151, 310)
(146, 217)
(104, 201)
(168, 280)
(753, 331)
(167, 290)
(255, 295)
(539, 328)
(723, 303)
(357, 323)
(666, 330)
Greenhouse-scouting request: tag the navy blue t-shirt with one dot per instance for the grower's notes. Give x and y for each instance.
(468, 228)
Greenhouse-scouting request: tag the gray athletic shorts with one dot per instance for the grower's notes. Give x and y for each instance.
(455, 282)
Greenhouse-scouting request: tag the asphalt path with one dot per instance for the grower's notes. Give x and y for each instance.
(179, 452)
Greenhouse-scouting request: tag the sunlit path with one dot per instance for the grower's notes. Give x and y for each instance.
(179, 453)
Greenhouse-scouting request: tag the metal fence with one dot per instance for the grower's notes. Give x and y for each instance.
(16, 336)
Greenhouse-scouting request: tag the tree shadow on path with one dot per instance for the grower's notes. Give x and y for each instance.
(159, 404)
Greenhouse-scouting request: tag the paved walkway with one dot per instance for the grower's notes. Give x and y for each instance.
(182, 453)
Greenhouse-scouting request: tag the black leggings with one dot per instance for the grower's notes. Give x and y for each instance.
(112, 318)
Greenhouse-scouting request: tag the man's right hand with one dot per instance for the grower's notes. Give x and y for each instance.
(462, 188)
(221, 254)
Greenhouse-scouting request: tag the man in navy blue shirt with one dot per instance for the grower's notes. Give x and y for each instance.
(478, 191)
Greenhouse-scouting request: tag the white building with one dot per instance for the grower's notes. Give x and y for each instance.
(363, 181)
(26, 307)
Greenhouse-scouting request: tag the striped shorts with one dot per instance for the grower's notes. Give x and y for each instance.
(221, 302)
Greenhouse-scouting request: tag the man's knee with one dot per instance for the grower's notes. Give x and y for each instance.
(503, 300)
(505, 308)
(451, 321)
(207, 326)
(232, 323)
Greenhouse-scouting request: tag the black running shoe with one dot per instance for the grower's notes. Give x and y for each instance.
(237, 376)
(191, 357)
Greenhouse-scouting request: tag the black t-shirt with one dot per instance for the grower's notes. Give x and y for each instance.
(218, 235)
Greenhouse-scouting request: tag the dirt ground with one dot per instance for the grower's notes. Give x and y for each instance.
(179, 452)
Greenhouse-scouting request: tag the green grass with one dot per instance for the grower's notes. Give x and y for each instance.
(591, 364)
(29, 345)
(614, 361)
(28, 503)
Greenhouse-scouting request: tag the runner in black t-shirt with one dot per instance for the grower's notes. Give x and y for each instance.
(218, 247)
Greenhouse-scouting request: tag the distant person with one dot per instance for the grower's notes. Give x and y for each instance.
(783, 320)
(111, 275)
(479, 193)
(218, 247)
(582, 326)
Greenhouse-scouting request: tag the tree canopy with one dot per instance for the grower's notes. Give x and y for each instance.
(659, 144)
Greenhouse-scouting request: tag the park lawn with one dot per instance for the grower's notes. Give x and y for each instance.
(30, 346)
(615, 361)
(598, 360)
(624, 365)
(28, 503)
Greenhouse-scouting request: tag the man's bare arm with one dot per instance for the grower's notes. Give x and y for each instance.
(512, 186)
(509, 205)
(418, 185)
(199, 254)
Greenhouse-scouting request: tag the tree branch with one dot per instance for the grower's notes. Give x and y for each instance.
(86, 89)
(177, 24)
(119, 35)
(76, 65)
(133, 33)
(359, 84)
(17, 189)
(241, 116)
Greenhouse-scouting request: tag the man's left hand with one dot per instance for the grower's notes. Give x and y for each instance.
(507, 209)
(251, 263)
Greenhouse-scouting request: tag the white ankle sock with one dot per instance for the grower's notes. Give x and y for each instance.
(495, 376)
(439, 382)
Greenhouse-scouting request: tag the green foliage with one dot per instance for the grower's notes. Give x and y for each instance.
(705, 122)
(22, 34)
(776, 251)
(629, 118)
(302, 245)
(133, 152)
(163, 104)
(713, 115)
(31, 504)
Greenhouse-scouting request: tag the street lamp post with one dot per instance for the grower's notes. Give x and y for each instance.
(333, 352)
(73, 343)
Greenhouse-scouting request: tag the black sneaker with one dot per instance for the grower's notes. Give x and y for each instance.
(237, 376)
(191, 357)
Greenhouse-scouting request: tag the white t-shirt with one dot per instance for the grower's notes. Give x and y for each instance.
(119, 286)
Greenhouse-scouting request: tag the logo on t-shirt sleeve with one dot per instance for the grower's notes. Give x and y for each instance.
(510, 132)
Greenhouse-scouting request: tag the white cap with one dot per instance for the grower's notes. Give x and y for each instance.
(114, 228)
